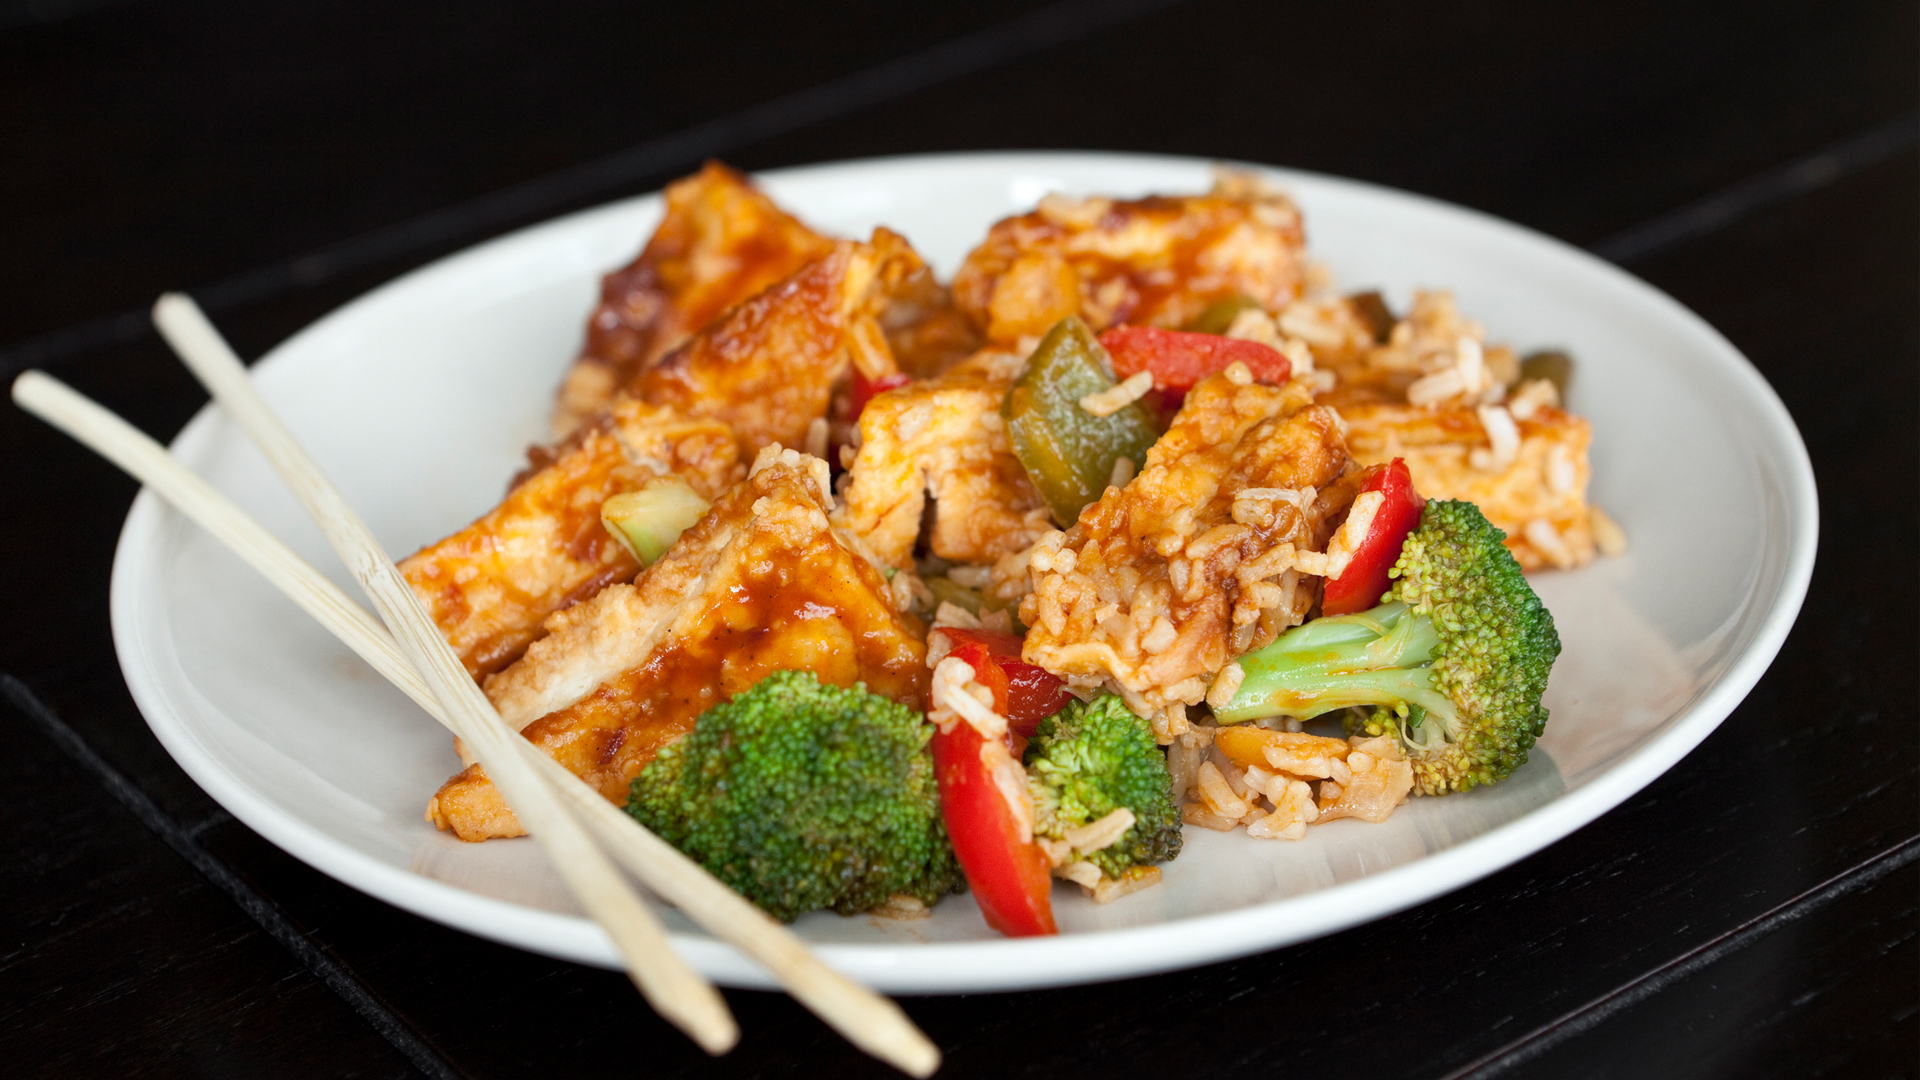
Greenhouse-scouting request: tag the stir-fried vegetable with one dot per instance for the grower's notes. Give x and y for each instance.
(1069, 452)
(1179, 360)
(1219, 316)
(861, 390)
(1033, 692)
(1009, 873)
(1454, 662)
(1090, 759)
(802, 796)
(1010, 876)
(1366, 578)
(649, 520)
(945, 590)
(1552, 365)
(1372, 307)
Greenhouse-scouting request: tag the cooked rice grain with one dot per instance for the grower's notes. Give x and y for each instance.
(1607, 534)
(1114, 398)
(1164, 581)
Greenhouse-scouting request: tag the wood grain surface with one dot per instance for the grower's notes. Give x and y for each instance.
(1750, 914)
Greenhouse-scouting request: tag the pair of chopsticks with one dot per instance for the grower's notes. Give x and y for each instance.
(578, 828)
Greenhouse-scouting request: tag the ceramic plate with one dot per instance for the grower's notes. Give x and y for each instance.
(420, 397)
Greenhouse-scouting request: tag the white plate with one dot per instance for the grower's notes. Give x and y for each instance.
(419, 398)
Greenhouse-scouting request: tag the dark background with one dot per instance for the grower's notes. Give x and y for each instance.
(1752, 913)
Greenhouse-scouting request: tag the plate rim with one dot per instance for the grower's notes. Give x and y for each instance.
(1015, 964)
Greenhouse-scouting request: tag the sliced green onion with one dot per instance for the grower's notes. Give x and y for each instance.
(649, 520)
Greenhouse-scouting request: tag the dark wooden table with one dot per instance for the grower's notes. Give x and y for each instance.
(1752, 913)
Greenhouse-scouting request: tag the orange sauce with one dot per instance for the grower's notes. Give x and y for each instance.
(793, 614)
(490, 603)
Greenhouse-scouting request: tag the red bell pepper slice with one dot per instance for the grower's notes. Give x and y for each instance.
(1179, 359)
(860, 391)
(1011, 878)
(998, 643)
(986, 669)
(1365, 580)
(1033, 692)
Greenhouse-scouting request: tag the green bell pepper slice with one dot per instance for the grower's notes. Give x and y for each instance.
(1069, 453)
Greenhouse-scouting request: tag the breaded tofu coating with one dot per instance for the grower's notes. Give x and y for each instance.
(490, 585)
(768, 368)
(1538, 498)
(1421, 360)
(927, 332)
(943, 437)
(1456, 410)
(1201, 557)
(720, 242)
(1158, 261)
(763, 583)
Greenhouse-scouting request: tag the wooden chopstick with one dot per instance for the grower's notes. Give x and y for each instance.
(674, 990)
(867, 1019)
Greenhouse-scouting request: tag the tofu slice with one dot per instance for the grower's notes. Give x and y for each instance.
(1539, 499)
(943, 437)
(769, 367)
(490, 585)
(721, 241)
(926, 332)
(763, 583)
(1157, 261)
(1531, 481)
(761, 375)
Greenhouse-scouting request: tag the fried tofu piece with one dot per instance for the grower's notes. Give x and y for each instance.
(1207, 554)
(769, 367)
(1337, 331)
(1454, 408)
(927, 332)
(1433, 356)
(762, 583)
(943, 437)
(490, 585)
(1539, 499)
(1158, 261)
(720, 242)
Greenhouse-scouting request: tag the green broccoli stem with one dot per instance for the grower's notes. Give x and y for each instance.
(1376, 657)
(1456, 672)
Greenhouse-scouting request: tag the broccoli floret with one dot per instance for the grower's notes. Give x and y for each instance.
(802, 796)
(1453, 662)
(1088, 760)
